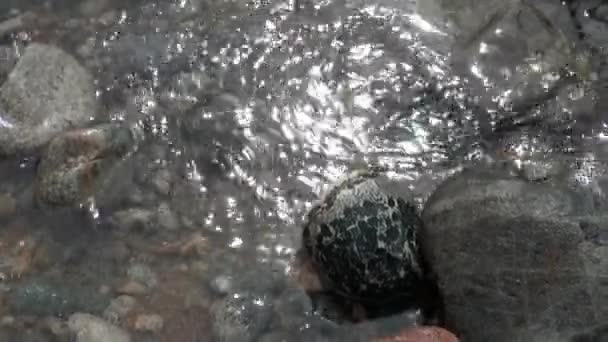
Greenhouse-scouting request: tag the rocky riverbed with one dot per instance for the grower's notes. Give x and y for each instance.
(159, 161)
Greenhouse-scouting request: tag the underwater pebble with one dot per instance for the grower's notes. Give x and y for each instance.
(241, 317)
(119, 308)
(143, 274)
(89, 328)
(132, 287)
(8, 206)
(153, 323)
(161, 181)
(133, 218)
(222, 284)
(166, 218)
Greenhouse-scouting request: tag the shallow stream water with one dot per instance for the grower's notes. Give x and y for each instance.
(251, 110)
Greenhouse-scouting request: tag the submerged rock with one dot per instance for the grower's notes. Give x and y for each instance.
(362, 239)
(43, 298)
(511, 254)
(70, 169)
(240, 317)
(89, 328)
(46, 93)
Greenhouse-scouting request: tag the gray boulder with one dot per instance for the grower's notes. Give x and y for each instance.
(512, 256)
(46, 93)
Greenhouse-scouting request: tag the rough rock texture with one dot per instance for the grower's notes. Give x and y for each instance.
(362, 239)
(240, 317)
(70, 167)
(46, 93)
(89, 328)
(513, 256)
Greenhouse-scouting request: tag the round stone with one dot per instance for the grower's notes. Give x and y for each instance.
(362, 239)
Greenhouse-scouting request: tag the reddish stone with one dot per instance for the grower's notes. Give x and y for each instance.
(421, 334)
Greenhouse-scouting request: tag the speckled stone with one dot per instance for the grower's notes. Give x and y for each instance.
(72, 163)
(363, 240)
(46, 93)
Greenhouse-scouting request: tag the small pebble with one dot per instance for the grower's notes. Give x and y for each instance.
(153, 323)
(134, 218)
(104, 289)
(132, 287)
(119, 308)
(166, 218)
(89, 328)
(162, 182)
(7, 320)
(8, 206)
(222, 284)
(143, 274)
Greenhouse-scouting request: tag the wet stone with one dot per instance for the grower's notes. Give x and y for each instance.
(362, 240)
(143, 274)
(222, 285)
(240, 317)
(89, 328)
(74, 164)
(510, 254)
(134, 219)
(119, 308)
(152, 323)
(8, 206)
(46, 93)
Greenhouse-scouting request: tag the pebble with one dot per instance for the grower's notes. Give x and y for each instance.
(161, 182)
(7, 320)
(222, 284)
(143, 274)
(166, 218)
(89, 328)
(133, 218)
(8, 206)
(132, 287)
(421, 334)
(119, 308)
(153, 323)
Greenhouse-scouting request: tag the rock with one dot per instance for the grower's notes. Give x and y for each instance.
(222, 284)
(166, 218)
(240, 317)
(592, 16)
(89, 328)
(362, 240)
(132, 287)
(143, 274)
(119, 308)
(510, 254)
(421, 334)
(8, 206)
(69, 172)
(153, 323)
(9, 57)
(162, 181)
(133, 218)
(39, 297)
(46, 93)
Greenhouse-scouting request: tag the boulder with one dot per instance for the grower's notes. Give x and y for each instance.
(512, 255)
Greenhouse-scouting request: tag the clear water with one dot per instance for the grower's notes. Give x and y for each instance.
(252, 110)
